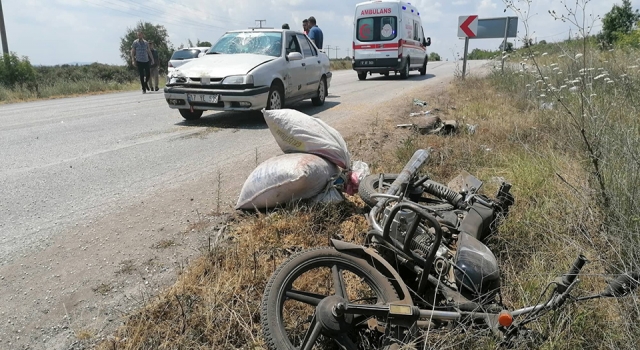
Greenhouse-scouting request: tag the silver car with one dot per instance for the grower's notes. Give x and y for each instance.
(182, 56)
(248, 70)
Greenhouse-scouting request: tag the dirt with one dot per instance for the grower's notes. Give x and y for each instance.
(74, 293)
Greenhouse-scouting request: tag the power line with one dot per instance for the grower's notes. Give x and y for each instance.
(209, 14)
(196, 25)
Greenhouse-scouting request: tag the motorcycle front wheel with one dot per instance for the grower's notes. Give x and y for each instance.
(296, 305)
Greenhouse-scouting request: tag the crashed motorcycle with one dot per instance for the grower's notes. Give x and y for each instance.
(423, 266)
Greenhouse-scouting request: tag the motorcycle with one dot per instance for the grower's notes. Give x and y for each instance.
(423, 266)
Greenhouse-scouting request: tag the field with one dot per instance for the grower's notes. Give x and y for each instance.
(561, 124)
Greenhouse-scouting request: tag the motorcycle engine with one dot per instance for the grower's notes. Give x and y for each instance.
(422, 242)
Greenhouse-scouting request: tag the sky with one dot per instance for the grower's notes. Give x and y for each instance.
(53, 32)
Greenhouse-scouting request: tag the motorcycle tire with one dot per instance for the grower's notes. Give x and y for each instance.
(369, 186)
(279, 290)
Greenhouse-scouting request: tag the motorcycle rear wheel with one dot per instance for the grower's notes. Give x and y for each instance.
(280, 289)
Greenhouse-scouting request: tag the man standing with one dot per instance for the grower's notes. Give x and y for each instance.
(315, 33)
(154, 67)
(305, 26)
(140, 56)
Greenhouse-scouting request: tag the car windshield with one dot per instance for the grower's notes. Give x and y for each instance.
(185, 54)
(260, 43)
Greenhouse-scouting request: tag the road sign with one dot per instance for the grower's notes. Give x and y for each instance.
(467, 26)
(470, 27)
(494, 28)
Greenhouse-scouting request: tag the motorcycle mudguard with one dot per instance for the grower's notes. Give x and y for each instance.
(379, 263)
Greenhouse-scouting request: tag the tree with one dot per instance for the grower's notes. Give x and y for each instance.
(542, 42)
(153, 33)
(617, 22)
(509, 46)
(434, 57)
(204, 44)
(15, 71)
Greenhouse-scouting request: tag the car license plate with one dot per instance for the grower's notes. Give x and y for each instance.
(204, 98)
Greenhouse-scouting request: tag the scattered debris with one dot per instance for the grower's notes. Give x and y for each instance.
(547, 105)
(404, 126)
(471, 128)
(419, 102)
(419, 113)
(432, 125)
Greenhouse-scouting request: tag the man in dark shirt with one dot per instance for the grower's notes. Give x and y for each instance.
(154, 68)
(315, 33)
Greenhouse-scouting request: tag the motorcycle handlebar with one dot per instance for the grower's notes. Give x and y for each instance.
(568, 278)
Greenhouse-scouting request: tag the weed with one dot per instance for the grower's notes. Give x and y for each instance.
(103, 288)
(164, 244)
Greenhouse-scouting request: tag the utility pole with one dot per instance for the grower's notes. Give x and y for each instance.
(5, 46)
(337, 48)
(329, 51)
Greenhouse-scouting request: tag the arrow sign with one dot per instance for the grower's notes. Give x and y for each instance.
(467, 26)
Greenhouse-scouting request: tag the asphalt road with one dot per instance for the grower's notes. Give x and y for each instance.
(91, 181)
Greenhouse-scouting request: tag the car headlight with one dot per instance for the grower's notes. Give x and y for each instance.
(238, 79)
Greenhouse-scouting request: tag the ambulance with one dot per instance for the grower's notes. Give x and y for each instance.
(388, 37)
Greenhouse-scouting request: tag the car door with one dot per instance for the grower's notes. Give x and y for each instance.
(295, 73)
(312, 64)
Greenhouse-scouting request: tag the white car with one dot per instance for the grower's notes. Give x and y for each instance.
(182, 56)
(248, 70)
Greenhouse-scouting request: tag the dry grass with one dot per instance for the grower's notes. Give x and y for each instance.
(216, 302)
(340, 64)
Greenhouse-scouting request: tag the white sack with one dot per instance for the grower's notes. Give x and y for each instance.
(285, 178)
(295, 131)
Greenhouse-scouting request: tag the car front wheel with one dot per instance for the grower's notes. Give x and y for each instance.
(275, 99)
(322, 93)
(189, 115)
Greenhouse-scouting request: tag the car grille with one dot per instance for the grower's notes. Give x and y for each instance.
(211, 79)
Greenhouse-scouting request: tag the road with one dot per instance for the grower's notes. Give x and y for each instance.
(90, 184)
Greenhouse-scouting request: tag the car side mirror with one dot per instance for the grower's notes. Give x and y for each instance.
(427, 42)
(294, 56)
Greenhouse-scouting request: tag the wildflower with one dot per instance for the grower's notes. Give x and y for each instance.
(600, 76)
(543, 95)
(528, 85)
(623, 75)
(579, 55)
(563, 55)
(633, 67)
(593, 95)
(553, 64)
(555, 68)
(544, 54)
(562, 87)
(573, 89)
(559, 72)
(610, 82)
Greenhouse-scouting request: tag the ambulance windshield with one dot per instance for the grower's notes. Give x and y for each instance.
(377, 28)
